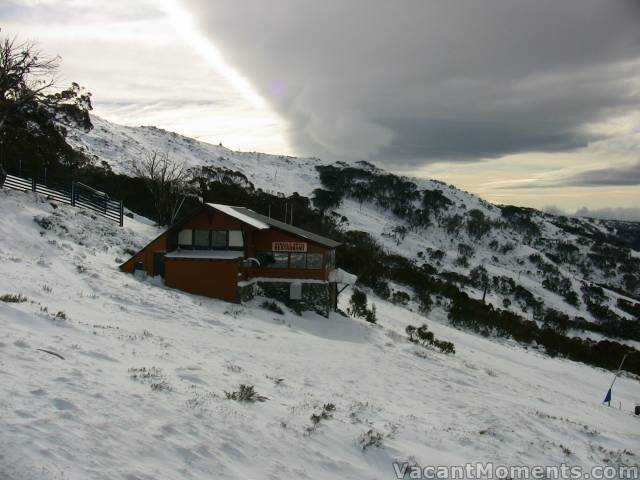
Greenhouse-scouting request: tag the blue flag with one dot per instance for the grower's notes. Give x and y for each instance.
(607, 399)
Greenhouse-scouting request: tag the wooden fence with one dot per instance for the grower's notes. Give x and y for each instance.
(77, 195)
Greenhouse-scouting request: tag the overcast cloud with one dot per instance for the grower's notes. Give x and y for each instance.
(623, 176)
(527, 102)
(413, 82)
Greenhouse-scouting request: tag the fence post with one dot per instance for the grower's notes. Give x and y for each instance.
(73, 194)
(33, 184)
(121, 214)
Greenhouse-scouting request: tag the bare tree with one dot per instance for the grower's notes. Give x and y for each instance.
(167, 182)
(33, 112)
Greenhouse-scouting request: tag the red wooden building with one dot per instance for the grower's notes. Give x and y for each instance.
(230, 253)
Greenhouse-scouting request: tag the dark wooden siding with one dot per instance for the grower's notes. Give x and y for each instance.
(146, 255)
(218, 278)
(208, 277)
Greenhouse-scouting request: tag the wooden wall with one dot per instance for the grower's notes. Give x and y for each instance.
(208, 277)
(145, 256)
(218, 278)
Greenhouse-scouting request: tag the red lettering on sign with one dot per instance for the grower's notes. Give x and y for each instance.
(289, 247)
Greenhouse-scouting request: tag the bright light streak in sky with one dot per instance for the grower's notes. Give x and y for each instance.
(187, 29)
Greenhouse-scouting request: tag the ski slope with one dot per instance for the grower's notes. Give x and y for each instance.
(96, 415)
(119, 146)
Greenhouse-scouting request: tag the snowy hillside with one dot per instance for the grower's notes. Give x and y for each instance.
(119, 146)
(140, 390)
(556, 266)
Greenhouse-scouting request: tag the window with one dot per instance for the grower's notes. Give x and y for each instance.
(265, 258)
(280, 260)
(331, 261)
(219, 239)
(298, 260)
(235, 239)
(201, 239)
(185, 238)
(314, 261)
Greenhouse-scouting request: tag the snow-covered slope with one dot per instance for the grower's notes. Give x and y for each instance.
(97, 415)
(120, 145)
(503, 252)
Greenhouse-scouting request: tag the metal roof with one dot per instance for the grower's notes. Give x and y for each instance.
(241, 213)
(243, 217)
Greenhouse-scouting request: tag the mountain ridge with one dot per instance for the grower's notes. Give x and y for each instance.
(110, 375)
(507, 248)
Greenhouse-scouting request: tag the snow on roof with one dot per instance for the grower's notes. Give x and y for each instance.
(299, 232)
(212, 254)
(233, 212)
(342, 276)
(251, 281)
(263, 222)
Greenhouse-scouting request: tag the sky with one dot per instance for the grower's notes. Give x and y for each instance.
(531, 103)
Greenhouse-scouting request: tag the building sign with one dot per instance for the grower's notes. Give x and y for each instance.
(289, 246)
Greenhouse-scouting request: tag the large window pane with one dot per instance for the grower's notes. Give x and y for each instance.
(265, 258)
(235, 239)
(314, 261)
(280, 260)
(219, 239)
(185, 238)
(201, 239)
(298, 260)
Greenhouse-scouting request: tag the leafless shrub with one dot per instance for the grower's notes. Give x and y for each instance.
(232, 367)
(166, 180)
(370, 438)
(326, 412)
(152, 376)
(276, 380)
(200, 399)
(161, 386)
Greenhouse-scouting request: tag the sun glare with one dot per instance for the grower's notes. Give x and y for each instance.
(187, 29)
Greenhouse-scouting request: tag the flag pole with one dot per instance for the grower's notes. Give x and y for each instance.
(607, 398)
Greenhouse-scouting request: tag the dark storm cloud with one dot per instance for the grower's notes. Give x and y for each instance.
(417, 139)
(616, 177)
(418, 81)
(613, 176)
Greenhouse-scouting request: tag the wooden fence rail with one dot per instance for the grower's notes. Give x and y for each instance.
(77, 195)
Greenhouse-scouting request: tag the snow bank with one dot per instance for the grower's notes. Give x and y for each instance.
(140, 392)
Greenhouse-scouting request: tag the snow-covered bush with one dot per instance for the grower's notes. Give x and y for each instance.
(11, 298)
(423, 336)
(326, 412)
(370, 438)
(245, 393)
(358, 307)
(272, 307)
